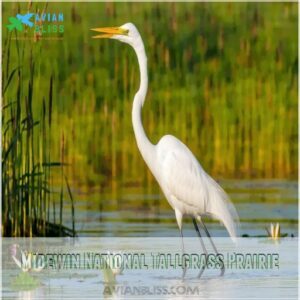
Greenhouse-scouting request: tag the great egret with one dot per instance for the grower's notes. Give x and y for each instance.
(187, 187)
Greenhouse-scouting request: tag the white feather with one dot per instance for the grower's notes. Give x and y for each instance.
(188, 187)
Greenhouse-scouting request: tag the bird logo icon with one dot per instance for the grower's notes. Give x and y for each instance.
(18, 21)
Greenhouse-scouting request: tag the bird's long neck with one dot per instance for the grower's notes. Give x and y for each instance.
(145, 146)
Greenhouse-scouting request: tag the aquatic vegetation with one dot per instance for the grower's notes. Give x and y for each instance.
(114, 267)
(26, 262)
(29, 202)
(274, 231)
(25, 282)
(223, 78)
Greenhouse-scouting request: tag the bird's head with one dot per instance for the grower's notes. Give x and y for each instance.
(126, 33)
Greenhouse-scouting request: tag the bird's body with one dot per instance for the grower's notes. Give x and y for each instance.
(187, 187)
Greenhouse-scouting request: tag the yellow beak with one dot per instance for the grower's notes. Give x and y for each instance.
(108, 32)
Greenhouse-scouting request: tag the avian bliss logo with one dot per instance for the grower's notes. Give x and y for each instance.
(45, 23)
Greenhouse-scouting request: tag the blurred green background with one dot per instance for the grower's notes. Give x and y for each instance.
(222, 78)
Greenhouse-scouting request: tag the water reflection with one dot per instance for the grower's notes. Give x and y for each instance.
(33, 294)
(133, 211)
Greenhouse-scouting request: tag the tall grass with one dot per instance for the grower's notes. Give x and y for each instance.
(27, 193)
(223, 78)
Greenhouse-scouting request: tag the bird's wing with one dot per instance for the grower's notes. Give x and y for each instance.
(181, 173)
(25, 19)
(185, 179)
(20, 17)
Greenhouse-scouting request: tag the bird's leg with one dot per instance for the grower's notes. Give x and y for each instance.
(178, 215)
(183, 252)
(214, 247)
(203, 247)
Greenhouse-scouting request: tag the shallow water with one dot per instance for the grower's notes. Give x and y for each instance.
(138, 212)
(277, 280)
(134, 212)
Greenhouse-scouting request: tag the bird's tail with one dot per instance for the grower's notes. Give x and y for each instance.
(221, 208)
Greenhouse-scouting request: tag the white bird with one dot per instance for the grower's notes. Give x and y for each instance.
(188, 188)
